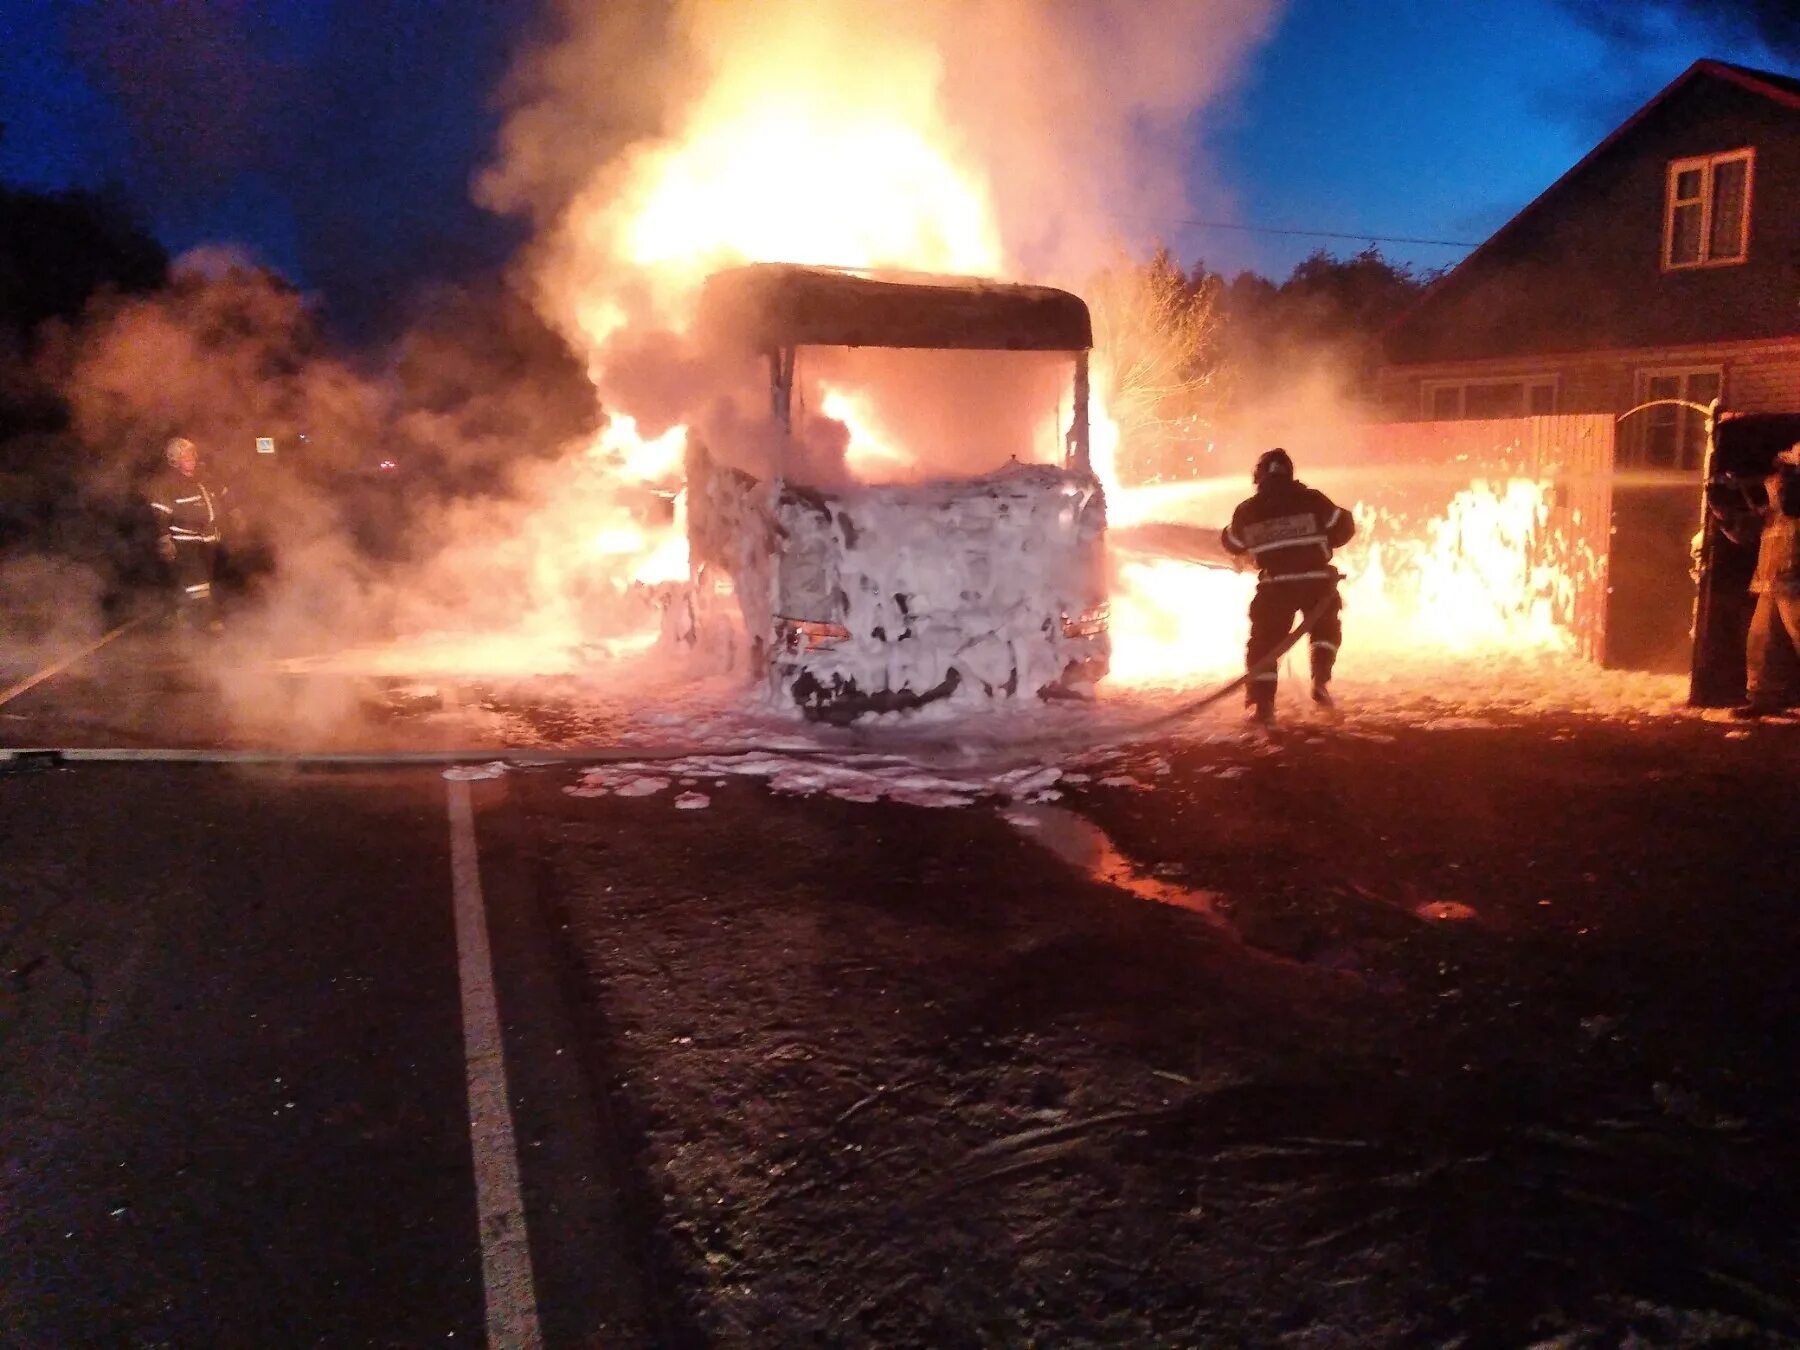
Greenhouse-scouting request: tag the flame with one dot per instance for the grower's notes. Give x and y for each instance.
(1172, 620)
(1481, 574)
(874, 190)
(1475, 577)
(806, 141)
(806, 144)
(639, 460)
(871, 455)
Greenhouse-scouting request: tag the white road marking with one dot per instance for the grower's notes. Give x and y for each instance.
(512, 1316)
(11, 692)
(524, 756)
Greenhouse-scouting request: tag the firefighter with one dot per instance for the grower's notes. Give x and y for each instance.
(1772, 650)
(1289, 531)
(187, 517)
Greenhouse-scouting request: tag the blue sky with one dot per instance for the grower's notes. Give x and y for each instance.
(1422, 118)
(1410, 117)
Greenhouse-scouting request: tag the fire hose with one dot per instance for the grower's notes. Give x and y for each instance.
(646, 755)
(1267, 664)
(1179, 713)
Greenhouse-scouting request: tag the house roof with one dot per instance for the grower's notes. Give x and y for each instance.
(1781, 89)
(769, 305)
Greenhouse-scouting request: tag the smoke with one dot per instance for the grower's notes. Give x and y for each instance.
(52, 603)
(651, 143)
(397, 485)
(925, 414)
(1648, 44)
(643, 145)
(1086, 116)
(225, 354)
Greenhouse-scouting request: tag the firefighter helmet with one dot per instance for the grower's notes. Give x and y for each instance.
(179, 448)
(1272, 464)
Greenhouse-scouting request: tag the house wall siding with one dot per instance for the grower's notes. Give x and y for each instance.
(1765, 383)
(1757, 378)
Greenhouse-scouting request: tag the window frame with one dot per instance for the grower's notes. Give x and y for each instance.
(1429, 389)
(1637, 447)
(1707, 165)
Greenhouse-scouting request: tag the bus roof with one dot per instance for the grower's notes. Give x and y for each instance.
(773, 305)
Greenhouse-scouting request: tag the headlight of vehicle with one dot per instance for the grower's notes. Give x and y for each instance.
(811, 635)
(1090, 622)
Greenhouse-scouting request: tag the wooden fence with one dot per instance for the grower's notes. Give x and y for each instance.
(1571, 455)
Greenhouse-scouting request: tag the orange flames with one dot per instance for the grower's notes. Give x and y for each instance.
(1470, 576)
(809, 142)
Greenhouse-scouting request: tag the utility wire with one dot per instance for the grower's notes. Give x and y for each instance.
(1311, 234)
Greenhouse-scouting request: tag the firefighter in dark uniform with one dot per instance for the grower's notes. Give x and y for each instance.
(187, 515)
(1289, 531)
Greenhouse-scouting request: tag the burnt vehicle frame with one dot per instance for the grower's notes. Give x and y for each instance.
(796, 559)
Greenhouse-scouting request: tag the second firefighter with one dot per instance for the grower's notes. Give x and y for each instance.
(187, 523)
(1289, 531)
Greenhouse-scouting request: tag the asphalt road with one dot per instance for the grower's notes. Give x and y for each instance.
(232, 1073)
(1476, 1033)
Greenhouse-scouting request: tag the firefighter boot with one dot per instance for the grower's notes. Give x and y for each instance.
(1262, 701)
(1323, 658)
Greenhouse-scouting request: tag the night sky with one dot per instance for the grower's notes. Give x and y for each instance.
(336, 138)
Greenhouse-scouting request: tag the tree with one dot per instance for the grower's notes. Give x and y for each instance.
(1158, 361)
(1328, 309)
(57, 250)
(1181, 355)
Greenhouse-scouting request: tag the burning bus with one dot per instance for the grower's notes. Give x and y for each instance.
(968, 557)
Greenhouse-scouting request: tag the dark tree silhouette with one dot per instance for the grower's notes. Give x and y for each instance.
(58, 249)
(1335, 305)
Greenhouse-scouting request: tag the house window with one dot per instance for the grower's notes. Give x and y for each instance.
(1670, 436)
(1455, 400)
(1706, 216)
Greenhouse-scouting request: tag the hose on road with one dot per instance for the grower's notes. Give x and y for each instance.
(8, 694)
(1268, 663)
(646, 755)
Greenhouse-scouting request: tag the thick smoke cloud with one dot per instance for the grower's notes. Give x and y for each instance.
(472, 404)
(1064, 126)
(1069, 120)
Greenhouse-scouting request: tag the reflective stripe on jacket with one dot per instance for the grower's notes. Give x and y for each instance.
(185, 509)
(1290, 531)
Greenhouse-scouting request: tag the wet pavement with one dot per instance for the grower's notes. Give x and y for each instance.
(1349, 1035)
